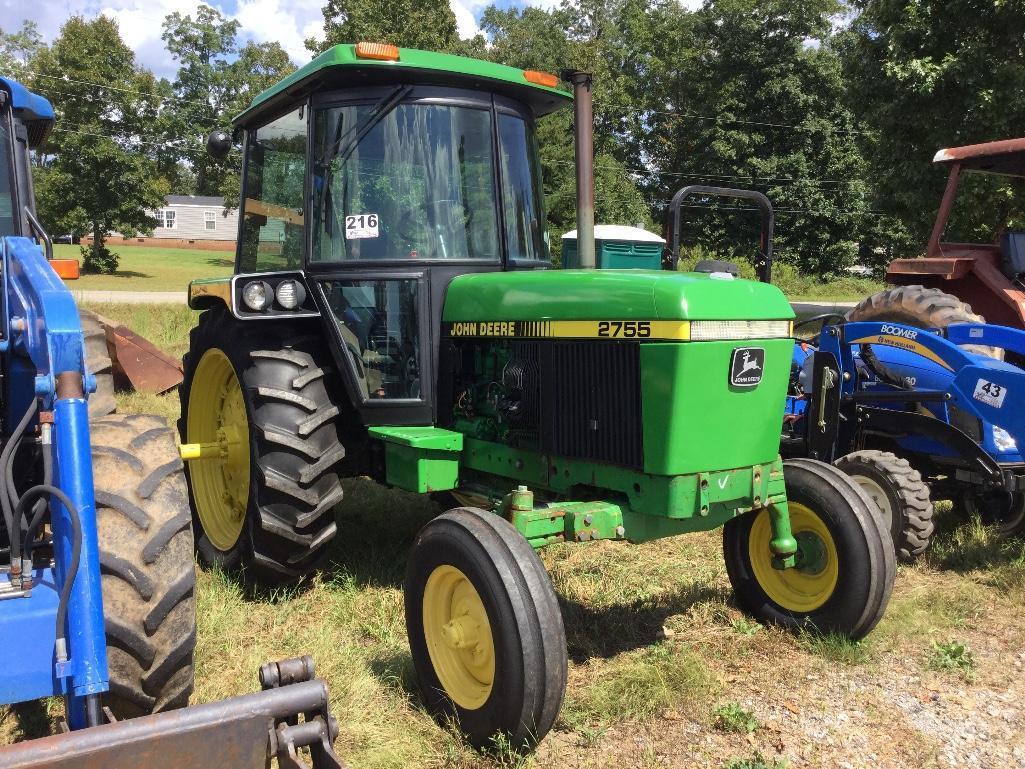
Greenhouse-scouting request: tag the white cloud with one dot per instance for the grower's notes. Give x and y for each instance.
(288, 23)
(140, 25)
(466, 12)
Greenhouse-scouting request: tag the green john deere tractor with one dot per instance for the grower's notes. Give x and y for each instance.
(393, 314)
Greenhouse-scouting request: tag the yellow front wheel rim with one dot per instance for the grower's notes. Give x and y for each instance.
(807, 586)
(458, 636)
(217, 414)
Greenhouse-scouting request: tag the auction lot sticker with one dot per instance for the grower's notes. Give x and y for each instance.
(990, 392)
(361, 226)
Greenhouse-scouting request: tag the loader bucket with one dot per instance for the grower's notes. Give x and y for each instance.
(243, 732)
(137, 363)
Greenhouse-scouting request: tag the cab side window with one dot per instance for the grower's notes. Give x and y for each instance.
(272, 211)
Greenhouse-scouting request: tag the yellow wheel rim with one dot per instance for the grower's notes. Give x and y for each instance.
(458, 636)
(805, 587)
(217, 414)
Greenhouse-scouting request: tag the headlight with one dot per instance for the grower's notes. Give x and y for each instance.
(708, 330)
(290, 294)
(256, 295)
(1003, 440)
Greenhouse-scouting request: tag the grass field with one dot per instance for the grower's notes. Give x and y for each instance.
(665, 670)
(144, 268)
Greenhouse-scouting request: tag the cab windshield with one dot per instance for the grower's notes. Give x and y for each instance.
(405, 180)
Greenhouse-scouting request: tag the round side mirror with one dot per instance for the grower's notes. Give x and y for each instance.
(218, 144)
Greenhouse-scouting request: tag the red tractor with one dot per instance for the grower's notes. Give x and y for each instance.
(942, 287)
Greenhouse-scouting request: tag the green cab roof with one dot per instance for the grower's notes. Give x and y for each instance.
(340, 67)
(619, 294)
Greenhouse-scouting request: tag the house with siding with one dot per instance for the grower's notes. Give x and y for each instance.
(190, 221)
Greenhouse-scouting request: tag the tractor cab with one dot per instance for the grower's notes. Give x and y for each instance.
(26, 119)
(381, 173)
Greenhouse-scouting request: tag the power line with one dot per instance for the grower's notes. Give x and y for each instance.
(124, 90)
(753, 178)
(185, 111)
(784, 210)
(133, 144)
(690, 115)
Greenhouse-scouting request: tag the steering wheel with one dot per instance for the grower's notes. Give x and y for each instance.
(823, 320)
(420, 234)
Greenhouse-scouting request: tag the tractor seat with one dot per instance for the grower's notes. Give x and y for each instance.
(1012, 253)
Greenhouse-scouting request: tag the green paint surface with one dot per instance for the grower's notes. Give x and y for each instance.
(656, 505)
(412, 66)
(420, 437)
(618, 294)
(695, 421)
(420, 459)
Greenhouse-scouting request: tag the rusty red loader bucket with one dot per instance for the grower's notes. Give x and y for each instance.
(137, 364)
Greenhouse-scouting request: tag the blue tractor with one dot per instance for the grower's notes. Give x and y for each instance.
(913, 415)
(908, 394)
(97, 575)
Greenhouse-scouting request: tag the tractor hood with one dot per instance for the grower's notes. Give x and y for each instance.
(619, 294)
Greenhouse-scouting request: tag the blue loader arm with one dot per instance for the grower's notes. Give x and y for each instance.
(43, 350)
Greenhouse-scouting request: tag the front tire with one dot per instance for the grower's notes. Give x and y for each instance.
(846, 563)
(900, 494)
(147, 570)
(1002, 511)
(266, 505)
(485, 630)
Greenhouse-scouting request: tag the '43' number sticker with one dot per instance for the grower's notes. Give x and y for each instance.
(361, 226)
(990, 392)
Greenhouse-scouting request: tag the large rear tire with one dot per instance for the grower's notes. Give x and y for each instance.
(923, 308)
(266, 506)
(98, 363)
(485, 630)
(845, 562)
(146, 564)
(900, 494)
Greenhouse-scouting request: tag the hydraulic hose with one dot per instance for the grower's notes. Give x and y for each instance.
(881, 371)
(61, 645)
(8, 492)
(40, 507)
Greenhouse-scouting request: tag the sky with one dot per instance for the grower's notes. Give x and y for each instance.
(289, 22)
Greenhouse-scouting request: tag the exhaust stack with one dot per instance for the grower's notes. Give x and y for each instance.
(583, 118)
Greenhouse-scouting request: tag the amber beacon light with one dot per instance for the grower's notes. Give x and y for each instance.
(379, 51)
(540, 78)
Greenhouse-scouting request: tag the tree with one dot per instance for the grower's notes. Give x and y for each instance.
(202, 46)
(747, 93)
(17, 50)
(99, 179)
(933, 74)
(216, 80)
(426, 24)
(534, 38)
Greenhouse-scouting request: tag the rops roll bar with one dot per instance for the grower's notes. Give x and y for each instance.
(763, 263)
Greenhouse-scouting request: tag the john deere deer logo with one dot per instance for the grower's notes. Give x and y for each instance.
(749, 364)
(746, 366)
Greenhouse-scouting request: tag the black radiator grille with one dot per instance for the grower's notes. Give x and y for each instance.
(594, 407)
